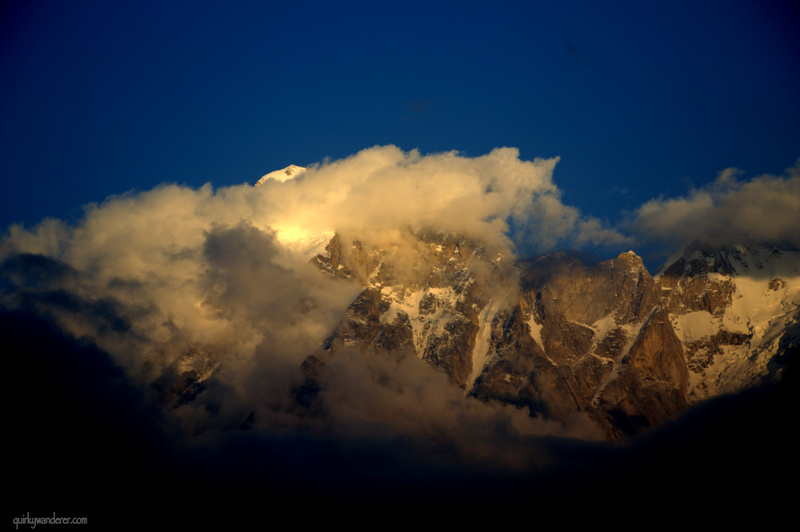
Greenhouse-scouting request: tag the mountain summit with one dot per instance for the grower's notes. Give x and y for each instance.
(290, 172)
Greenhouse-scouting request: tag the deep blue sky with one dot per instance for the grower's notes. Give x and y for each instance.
(639, 99)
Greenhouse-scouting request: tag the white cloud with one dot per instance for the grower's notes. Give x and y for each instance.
(381, 190)
(765, 209)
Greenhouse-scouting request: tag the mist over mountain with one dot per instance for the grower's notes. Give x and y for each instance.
(399, 327)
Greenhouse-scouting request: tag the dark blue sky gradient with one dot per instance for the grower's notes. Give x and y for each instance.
(639, 99)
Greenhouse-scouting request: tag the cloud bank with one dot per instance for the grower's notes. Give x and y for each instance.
(383, 189)
(765, 209)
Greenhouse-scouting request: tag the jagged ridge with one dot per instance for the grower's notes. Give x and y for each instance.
(609, 341)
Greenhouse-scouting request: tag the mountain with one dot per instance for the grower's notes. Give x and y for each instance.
(290, 172)
(608, 344)
(563, 339)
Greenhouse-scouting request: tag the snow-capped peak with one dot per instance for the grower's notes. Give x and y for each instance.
(290, 172)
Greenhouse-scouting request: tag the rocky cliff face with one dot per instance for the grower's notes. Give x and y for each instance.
(736, 313)
(559, 338)
(420, 298)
